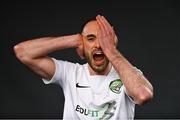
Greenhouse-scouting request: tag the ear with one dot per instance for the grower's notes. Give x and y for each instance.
(80, 52)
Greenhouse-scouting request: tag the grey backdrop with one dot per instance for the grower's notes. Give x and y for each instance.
(149, 35)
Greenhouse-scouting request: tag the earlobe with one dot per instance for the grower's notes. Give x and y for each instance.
(82, 57)
(80, 52)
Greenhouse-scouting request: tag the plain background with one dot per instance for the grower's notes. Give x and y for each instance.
(148, 32)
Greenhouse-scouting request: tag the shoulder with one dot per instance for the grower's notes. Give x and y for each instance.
(68, 65)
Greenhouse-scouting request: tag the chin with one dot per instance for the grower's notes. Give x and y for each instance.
(96, 68)
(99, 69)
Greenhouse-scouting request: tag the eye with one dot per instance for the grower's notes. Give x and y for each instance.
(91, 38)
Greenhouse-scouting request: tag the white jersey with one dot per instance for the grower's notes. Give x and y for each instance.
(91, 96)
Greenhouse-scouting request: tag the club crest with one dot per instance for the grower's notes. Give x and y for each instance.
(115, 86)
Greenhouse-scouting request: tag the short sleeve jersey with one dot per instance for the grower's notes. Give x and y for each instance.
(91, 97)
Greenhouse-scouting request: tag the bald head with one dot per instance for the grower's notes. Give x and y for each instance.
(90, 27)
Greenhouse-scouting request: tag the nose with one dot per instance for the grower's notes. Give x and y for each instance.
(97, 45)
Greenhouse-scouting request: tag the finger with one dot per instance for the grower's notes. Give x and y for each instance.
(106, 24)
(102, 29)
(103, 25)
(107, 28)
(98, 18)
(106, 21)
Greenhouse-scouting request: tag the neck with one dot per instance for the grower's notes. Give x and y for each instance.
(105, 72)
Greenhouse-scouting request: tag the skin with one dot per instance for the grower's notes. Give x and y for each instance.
(34, 54)
(137, 86)
(91, 44)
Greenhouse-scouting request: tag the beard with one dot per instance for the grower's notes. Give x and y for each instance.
(92, 62)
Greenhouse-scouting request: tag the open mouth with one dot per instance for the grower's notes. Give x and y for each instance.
(98, 55)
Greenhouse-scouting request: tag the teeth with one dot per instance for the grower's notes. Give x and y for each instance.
(98, 52)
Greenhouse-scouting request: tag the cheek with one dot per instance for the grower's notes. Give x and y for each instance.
(87, 53)
(87, 48)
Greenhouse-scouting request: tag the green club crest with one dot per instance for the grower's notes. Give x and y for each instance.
(115, 86)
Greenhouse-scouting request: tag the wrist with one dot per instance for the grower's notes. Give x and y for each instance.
(73, 41)
(116, 58)
(78, 40)
(112, 54)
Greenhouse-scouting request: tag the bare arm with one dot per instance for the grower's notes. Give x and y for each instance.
(137, 86)
(33, 53)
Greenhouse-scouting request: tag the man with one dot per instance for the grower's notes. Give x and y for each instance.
(107, 87)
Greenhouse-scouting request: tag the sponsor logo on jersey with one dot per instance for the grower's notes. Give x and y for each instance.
(104, 113)
(115, 86)
(81, 86)
(87, 112)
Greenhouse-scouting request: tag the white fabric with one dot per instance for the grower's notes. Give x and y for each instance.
(96, 100)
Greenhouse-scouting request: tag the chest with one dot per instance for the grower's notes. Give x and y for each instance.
(95, 91)
(94, 96)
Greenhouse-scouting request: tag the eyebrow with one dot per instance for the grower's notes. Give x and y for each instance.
(91, 35)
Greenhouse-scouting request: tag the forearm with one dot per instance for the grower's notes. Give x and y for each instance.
(33, 53)
(42, 46)
(136, 84)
